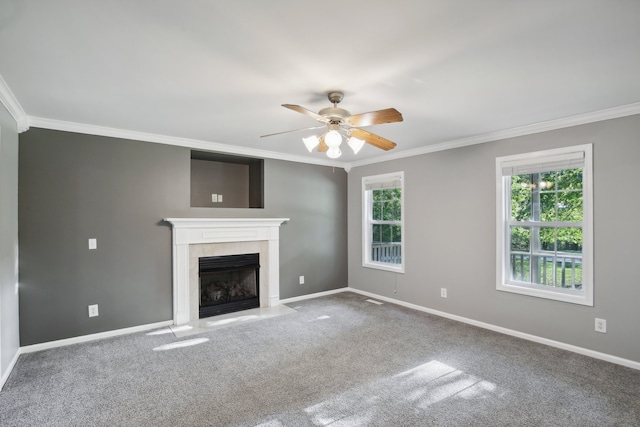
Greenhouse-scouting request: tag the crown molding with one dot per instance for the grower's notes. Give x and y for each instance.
(39, 122)
(580, 119)
(11, 103)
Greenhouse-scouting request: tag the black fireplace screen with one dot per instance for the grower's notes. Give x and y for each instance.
(229, 283)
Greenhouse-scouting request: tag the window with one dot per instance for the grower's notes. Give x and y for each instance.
(383, 222)
(544, 224)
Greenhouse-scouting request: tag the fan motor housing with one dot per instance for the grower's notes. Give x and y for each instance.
(335, 114)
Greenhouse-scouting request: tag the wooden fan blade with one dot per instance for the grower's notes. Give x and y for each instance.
(373, 139)
(306, 112)
(322, 147)
(295, 130)
(390, 115)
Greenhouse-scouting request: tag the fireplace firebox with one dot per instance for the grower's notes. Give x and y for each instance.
(228, 283)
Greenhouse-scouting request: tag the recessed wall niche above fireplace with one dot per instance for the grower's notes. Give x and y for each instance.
(225, 181)
(194, 238)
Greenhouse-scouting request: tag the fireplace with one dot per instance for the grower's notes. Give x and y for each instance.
(228, 283)
(194, 238)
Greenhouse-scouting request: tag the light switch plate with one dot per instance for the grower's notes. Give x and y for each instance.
(93, 244)
(219, 198)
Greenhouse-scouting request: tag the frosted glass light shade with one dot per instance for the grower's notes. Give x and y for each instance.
(311, 142)
(334, 152)
(356, 144)
(333, 139)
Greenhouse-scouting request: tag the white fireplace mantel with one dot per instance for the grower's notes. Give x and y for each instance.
(195, 231)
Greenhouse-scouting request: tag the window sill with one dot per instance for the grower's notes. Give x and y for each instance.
(386, 267)
(564, 295)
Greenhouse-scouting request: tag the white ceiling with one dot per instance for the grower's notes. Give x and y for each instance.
(218, 71)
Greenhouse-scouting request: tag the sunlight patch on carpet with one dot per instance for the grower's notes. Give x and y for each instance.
(323, 317)
(233, 320)
(209, 324)
(435, 381)
(171, 330)
(181, 344)
(416, 389)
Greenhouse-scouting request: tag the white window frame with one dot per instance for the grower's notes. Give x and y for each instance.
(503, 216)
(367, 221)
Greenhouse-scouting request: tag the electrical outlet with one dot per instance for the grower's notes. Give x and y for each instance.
(214, 198)
(93, 244)
(219, 198)
(302, 280)
(93, 310)
(601, 325)
(443, 292)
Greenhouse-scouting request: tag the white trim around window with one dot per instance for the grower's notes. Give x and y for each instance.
(383, 253)
(508, 277)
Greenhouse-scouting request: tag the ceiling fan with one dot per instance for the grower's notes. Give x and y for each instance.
(339, 122)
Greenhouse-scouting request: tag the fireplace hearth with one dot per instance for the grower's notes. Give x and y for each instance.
(228, 283)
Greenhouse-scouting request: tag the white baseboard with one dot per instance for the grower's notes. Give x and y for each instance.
(316, 295)
(108, 334)
(564, 346)
(5, 375)
(93, 337)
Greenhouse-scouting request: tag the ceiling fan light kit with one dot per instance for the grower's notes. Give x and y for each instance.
(356, 144)
(334, 152)
(311, 142)
(333, 139)
(337, 121)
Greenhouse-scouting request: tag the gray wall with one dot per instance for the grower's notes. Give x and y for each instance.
(9, 338)
(451, 238)
(74, 187)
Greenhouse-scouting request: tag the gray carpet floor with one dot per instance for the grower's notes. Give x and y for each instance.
(337, 361)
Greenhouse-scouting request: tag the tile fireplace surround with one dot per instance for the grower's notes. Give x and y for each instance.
(200, 237)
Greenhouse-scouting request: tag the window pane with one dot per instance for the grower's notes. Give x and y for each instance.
(386, 205)
(396, 233)
(569, 273)
(542, 267)
(396, 193)
(377, 211)
(547, 181)
(569, 240)
(520, 197)
(386, 233)
(386, 252)
(560, 272)
(569, 179)
(547, 206)
(546, 237)
(570, 206)
(376, 235)
(519, 267)
(520, 239)
(388, 249)
(388, 209)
